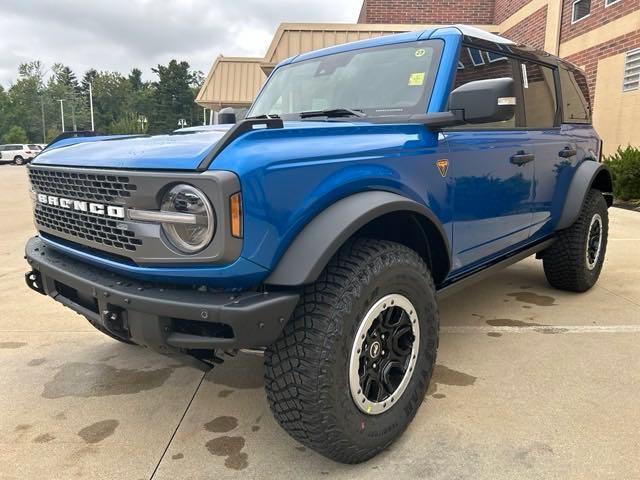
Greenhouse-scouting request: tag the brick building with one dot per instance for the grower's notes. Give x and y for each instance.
(600, 36)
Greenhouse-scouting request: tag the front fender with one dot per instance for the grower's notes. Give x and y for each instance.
(314, 246)
(589, 174)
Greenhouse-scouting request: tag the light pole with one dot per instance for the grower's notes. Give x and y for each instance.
(62, 113)
(93, 126)
(44, 127)
(142, 120)
(73, 116)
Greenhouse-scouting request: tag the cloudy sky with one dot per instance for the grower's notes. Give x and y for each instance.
(121, 34)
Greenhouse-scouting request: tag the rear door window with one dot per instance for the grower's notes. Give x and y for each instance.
(575, 97)
(539, 94)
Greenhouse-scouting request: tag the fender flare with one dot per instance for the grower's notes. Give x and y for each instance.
(320, 239)
(583, 180)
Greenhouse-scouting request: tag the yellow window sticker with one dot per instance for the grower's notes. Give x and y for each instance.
(416, 79)
(420, 52)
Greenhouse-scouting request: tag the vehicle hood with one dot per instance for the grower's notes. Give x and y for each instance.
(182, 150)
(176, 151)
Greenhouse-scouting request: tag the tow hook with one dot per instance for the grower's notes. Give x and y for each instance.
(114, 319)
(34, 281)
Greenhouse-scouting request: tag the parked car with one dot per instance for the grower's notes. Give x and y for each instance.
(19, 153)
(368, 181)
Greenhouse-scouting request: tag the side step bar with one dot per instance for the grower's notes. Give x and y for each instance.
(478, 275)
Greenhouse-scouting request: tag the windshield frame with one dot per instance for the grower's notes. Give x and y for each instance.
(370, 113)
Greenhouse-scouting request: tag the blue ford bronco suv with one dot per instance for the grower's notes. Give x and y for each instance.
(367, 181)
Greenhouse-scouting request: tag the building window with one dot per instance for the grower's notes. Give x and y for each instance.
(581, 9)
(610, 2)
(631, 71)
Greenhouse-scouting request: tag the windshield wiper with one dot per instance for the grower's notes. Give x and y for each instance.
(264, 116)
(333, 113)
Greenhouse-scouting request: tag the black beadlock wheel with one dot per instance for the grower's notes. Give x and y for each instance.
(352, 366)
(575, 260)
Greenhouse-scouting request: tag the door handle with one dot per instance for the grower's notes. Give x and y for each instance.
(567, 152)
(522, 158)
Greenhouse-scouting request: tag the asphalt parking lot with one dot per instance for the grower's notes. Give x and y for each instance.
(530, 383)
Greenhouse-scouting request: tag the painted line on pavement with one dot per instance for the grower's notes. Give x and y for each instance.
(544, 329)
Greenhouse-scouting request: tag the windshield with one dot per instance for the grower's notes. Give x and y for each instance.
(387, 80)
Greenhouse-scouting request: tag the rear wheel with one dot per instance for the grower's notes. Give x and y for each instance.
(18, 160)
(350, 370)
(575, 260)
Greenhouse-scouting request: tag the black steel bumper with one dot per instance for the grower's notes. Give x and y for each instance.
(167, 319)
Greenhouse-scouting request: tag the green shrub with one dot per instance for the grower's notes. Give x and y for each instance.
(625, 167)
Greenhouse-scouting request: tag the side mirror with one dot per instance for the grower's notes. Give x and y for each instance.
(227, 115)
(485, 101)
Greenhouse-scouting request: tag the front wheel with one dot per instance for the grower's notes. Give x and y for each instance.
(575, 260)
(351, 368)
(18, 160)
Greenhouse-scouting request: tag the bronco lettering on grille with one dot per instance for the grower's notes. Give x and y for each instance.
(82, 206)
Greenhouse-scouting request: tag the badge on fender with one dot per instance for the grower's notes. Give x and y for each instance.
(443, 166)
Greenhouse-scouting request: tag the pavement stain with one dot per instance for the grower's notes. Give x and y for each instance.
(22, 427)
(98, 431)
(36, 361)
(251, 377)
(533, 298)
(44, 438)
(12, 345)
(230, 447)
(96, 380)
(529, 455)
(255, 428)
(177, 456)
(221, 424)
(446, 376)
(551, 330)
(494, 334)
(224, 393)
(508, 322)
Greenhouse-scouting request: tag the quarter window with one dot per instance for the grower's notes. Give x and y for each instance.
(475, 64)
(581, 9)
(575, 95)
(539, 93)
(631, 71)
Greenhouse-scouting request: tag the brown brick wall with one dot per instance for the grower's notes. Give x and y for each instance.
(530, 31)
(427, 11)
(599, 15)
(588, 59)
(505, 8)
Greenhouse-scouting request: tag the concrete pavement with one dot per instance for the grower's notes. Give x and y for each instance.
(531, 383)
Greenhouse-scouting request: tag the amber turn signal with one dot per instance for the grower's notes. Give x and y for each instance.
(235, 207)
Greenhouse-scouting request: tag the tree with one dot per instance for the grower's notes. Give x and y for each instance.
(135, 80)
(88, 77)
(173, 97)
(15, 134)
(65, 76)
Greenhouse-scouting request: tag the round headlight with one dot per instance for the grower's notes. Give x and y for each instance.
(188, 234)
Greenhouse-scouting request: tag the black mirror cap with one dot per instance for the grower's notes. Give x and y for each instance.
(484, 101)
(227, 115)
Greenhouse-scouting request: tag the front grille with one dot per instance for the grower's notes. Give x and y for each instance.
(86, 227)
(81, 186)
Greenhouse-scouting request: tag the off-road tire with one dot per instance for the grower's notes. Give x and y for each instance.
(565, 262)
(307, 369)
(18, 160)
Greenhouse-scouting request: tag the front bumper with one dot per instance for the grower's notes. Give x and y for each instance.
(164, 318)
